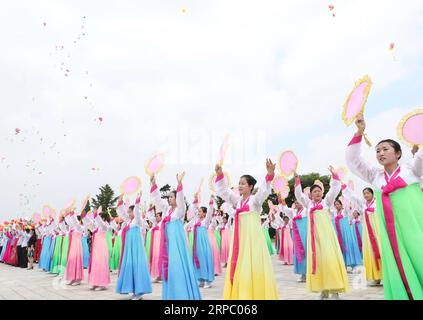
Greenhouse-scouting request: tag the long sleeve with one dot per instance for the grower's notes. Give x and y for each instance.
(335, 188)
(416, 165)
(356, 163)
(299, 194)
(179, 212)
(121, 211)
(137, 215)
(263, 192)
(160, 204)
(287, 211)
(223, 191)
(209, 215)
(100, 223)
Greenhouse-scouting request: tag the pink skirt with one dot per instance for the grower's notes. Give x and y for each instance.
(225, 241)
(286, 255)
(74, 264)
(98, 271)
(154, 254)
(216, 254)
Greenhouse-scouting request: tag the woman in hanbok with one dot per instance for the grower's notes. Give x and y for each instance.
(203, 257)
(98, 270)
(299, 220)
(74, 273)
(371, 234)
(175, 262)
(265, 228)
(350, 249)
(399, 203)
(250, 273)
(134, 276)
(326, 272)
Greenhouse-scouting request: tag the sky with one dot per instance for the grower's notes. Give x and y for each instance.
(176, 76)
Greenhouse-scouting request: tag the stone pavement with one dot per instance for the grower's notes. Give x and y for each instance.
(22, 284)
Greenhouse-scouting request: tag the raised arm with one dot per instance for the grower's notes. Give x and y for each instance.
(299, 194)
(179, 213)
(334, 189)
(354, 161)
(266, 188)
(416, 165)
(160, 204)
(209, 214)
(222, 189)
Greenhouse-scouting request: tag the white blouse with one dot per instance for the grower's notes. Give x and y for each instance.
(410, 173)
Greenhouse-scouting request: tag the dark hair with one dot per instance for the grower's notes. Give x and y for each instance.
(339, 201)
(314, 186)
(204, 209)
(285, 217)
(250, 180)
(174, 193)
(357, 212)
(369, 189)
(105, 217)
(132, 207)
(159, 213)
(393, 144)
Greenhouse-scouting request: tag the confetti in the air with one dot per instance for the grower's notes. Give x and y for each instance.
(17, 131)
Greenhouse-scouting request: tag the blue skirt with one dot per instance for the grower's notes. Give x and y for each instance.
(134, 275)
(205, 256)
(357, 251)
(182, 282)
(49, 255)
(301, 268)
(85, 252)
(6, 240)
(44, 250)
(351, 255)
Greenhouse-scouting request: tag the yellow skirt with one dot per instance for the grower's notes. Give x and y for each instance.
(369, 260)
(330, 274)
(254, 278)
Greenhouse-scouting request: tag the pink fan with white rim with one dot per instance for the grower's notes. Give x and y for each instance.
(130, 185)
(155, 164)
(342, 172)
(46, 211)
(280, 183)
(356, 100)
(223, 149)
(288, 163)
(36, 217)
(410, 128)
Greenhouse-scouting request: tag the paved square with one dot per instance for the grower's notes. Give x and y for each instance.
(22, 284)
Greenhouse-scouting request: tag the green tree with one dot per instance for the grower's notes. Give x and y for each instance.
(106, 199)
(165, 190)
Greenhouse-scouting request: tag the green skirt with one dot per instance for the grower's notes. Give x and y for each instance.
(217, 236)
(407, 206)
(268, 241)
(64, 255)
(55, 263)
(117, 247)
(191, 242)
(147, 244)
(109, 237)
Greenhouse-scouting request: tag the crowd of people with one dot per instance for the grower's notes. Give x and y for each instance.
(324, 236)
